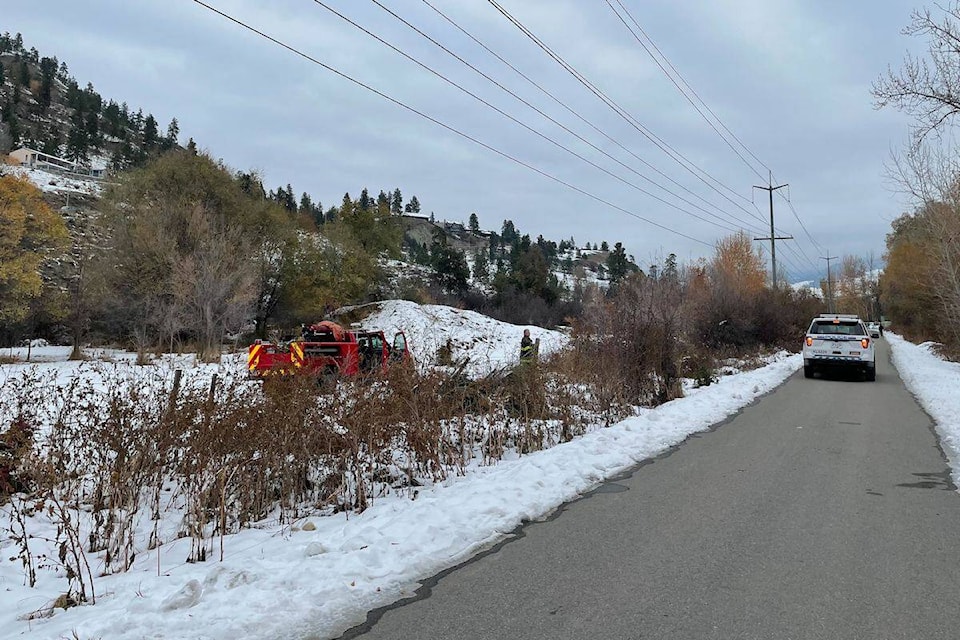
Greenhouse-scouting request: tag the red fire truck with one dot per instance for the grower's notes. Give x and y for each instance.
(327, 349)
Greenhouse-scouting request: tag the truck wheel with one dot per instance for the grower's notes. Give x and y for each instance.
(807, 371)
(872, 374)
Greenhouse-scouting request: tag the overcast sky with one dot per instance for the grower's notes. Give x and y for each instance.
(791, 78)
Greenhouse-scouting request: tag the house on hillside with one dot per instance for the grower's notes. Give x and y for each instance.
(34, 159)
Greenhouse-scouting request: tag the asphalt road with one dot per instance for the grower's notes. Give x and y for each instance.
(825, 510)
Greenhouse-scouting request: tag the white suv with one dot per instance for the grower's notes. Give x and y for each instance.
(838, 341)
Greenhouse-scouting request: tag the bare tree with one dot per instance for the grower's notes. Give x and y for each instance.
(927, 89)
(215, 284)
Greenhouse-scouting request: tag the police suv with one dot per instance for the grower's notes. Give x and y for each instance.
(838, 341)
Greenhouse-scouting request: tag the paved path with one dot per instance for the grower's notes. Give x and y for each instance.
(825, 510)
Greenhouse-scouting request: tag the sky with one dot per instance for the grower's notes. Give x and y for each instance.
(790, 79)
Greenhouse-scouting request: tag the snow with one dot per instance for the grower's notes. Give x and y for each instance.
(321, 576)
(485, 343)
(935, 383)
(55, 183)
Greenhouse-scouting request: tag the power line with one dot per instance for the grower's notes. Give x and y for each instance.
(548, 117)
(449, 128)
(692, 91)
(572, 111)
(674, 77)
(503, 113)
(675, 155)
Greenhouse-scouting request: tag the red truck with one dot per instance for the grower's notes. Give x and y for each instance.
(327, 349)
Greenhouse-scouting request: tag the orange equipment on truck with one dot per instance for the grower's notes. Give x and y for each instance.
(327, 349)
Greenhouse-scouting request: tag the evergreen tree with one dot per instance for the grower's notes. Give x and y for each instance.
(13, 124)
(111, 119)
(481, 266)
(1, 74)
(24, 75)
(173, 132)
(78, 141)
(150, 134)
(306, 205)
(494, 245)
(383, 200)
(508, 233)
(396, 203)
(617, 264)
(604, 246)
(364, 203)
(48, 73)
(474, 223)
(413, 206)
(51, 144)
(93, 129)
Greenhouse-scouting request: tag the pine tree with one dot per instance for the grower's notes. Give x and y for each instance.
(414, 205)
(78, 141)
(48, 73)
(93, 129)
(24, 73)
(306, 205)
(13, 124)
(508, 232)
(149, 132)
(383, 199)
(481, 266)
(474, 223)
(192, 147)
(396, 203)
(604, 246)
(364, 203)
(173, 132)
(1, 75)
(617, 264)
(51, 144)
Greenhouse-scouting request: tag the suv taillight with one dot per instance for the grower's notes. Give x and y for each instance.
(809, 341)
(865, 343)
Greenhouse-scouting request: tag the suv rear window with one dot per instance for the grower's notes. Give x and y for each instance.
(841, 328)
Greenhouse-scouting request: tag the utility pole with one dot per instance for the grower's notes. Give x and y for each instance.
(773, 236)
(828, 258)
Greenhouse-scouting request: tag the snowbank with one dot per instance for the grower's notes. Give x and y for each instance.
(489, 344)
(936, 385)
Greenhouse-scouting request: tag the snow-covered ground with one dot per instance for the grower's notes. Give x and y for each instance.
(53, 182)
(321, 576)
(936, 385)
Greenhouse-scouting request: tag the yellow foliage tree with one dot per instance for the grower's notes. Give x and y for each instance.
(29, 232)
(738, 267)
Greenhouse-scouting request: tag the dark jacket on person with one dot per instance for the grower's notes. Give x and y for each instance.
(526, 348)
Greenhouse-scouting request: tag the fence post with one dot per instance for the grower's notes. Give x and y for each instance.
(213, 387)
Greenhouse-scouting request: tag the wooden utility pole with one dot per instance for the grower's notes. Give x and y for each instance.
(773, 235)
(828, 258)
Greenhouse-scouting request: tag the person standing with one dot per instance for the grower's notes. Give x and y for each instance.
(526, 347)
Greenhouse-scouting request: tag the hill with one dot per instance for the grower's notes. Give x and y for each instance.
(42, 107)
